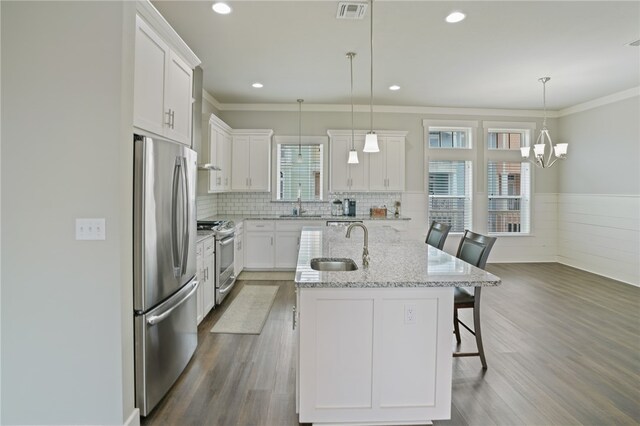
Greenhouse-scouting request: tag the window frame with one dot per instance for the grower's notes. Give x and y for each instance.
(468, 153)
(468, 197)
(509, 156)
(304, 140)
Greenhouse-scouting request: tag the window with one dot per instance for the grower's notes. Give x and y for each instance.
(450, 193)
(303, 178)
(448, 138)
(497, 139)
(508, 187)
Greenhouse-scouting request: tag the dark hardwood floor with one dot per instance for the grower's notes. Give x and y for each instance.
(562, 345)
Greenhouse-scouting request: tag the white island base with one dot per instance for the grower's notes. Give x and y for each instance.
(374, 355)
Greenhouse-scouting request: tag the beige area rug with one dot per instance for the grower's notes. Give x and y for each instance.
(267, 276)
(248, 311)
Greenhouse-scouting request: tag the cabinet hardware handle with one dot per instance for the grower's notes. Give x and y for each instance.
(168, 123)
(294, 317)
(173, 119)
(271, 240)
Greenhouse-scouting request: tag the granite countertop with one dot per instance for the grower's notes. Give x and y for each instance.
(240, 218)
(397, 259)
(203, 235)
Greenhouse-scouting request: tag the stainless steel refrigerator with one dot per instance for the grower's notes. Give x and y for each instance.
(164, 253)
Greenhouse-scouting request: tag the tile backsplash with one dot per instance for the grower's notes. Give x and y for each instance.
(260, 203)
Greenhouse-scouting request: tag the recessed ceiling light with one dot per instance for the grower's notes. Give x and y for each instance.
(257, 85)
(221, 8)
(454, 17)
(394, 87)
(634, 43)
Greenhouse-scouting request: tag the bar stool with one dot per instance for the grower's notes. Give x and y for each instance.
(474, 249)
(437, 234)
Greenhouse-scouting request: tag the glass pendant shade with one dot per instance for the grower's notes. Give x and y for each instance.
(538, 149)
(525, 151)
(371, 143)
(561, 149)
(353, 157)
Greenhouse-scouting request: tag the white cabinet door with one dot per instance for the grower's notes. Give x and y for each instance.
(151, 57)
(238, 259)
(378, 167)
(214, 175)
(209, 269)
(260, 163)
(287, 243)
(178, 99)
(344, 176)
(259, 250)
(226, 163)
(200, 275)
(251, 162)
(395, 158)
(240, 151)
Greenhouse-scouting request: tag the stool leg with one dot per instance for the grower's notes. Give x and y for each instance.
(456, 327)
(476, 327)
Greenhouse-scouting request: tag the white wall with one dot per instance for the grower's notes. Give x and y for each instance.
(67, 339)
(599, 200)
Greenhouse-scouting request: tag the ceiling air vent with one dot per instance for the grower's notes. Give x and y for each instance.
(351, 10)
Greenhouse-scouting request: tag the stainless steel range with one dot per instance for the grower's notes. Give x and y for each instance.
(224, 234)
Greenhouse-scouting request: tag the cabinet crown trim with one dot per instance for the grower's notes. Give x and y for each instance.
(149, 13)
(383, 133)
(263, 132)
(216, 121)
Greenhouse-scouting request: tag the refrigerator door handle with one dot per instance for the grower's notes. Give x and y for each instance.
(185, 219)
(155, 319)
(175, 250)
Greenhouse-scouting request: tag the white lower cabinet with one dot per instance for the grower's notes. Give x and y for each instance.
(362, 359)
(259, 247)
(273, 245)
(205, 296)
(238, 258)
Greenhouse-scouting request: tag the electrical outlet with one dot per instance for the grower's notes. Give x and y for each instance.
(410, 313)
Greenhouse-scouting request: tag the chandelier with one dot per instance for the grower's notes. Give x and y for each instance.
(543, 157)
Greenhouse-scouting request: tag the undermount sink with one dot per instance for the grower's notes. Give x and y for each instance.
(303, 215)
(333, 264)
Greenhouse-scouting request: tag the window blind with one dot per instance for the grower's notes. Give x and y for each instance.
(450, 193)
(509, 191)
(300, 178)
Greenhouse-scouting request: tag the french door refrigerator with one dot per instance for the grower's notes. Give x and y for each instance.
(165, 327)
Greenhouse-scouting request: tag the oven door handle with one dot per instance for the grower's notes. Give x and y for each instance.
(226, 241)
(232, 278)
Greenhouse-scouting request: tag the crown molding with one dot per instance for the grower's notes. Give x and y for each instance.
(149, 13)
(605, 100)
(213, 101)
(389, 109)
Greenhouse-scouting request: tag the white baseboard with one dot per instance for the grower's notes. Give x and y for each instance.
(134, 418)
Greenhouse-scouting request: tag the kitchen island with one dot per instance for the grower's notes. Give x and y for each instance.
(375, 343)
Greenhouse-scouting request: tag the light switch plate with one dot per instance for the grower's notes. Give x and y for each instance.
(91, 229)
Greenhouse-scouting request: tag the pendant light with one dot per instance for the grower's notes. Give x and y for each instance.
(556, 152)
(299, 157)
(371, 140)
(353, 154)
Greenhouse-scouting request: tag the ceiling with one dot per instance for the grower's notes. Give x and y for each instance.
(492, 59)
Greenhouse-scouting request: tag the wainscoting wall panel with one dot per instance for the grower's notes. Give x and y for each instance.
(600, 234)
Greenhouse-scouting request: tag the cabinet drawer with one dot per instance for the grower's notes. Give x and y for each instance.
(296, 224)
(260, 225)
(199, 249)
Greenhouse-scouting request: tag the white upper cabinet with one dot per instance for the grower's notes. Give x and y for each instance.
(343, 176)
(217, 151)
(251, 160)
(162, 100)
(376, 171)
(386, 168)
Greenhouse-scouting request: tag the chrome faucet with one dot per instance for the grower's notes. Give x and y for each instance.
(300, 211)
(365, 250)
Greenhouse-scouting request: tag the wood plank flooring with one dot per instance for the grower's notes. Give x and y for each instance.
(562, 345)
